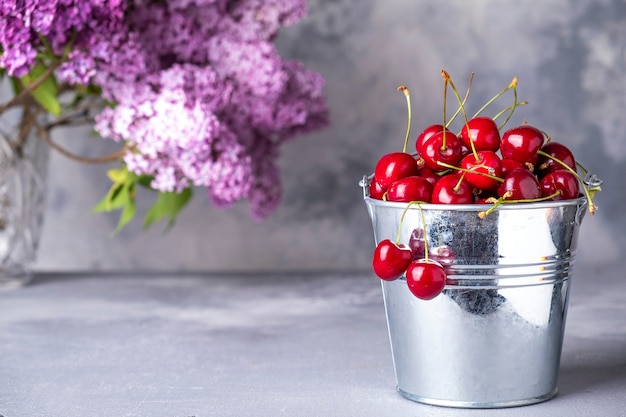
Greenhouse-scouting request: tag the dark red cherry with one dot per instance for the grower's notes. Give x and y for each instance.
(487, 163)
(521, 143)
(484, 194)
(410, 189)
(425, 135)
(560, 180)
(452, 189)
(521, 184)
(376, 191)
(390, 260)
(426, 278)
(483, 131)
(559, 151)
(444, 255)
(482, 199)
(441, 147)
(393, 166)
(417, 244)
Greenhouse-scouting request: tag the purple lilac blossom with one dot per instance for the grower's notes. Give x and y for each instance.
(202, 96)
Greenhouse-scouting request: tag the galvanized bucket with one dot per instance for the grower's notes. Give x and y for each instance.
(493, 338)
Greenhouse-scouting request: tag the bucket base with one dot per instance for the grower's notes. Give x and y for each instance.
(477, 404)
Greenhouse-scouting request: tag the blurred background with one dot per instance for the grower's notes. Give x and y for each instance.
(570, 58)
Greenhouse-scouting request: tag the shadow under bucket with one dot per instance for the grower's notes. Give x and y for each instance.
(493, 337)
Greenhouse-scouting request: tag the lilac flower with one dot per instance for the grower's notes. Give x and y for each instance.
(84, 23)
(201, 95)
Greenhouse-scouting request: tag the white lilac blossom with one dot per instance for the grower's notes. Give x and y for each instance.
(198, 91)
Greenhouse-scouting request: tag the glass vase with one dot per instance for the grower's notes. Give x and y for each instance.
(23, 170)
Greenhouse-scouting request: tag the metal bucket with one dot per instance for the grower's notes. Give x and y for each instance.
(493, 338)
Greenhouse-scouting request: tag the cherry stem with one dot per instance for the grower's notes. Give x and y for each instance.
(513, 84)
(456, 113)
(424, 229)
(592, 207)
(462, 108)
(504, 110)
(503, 200)
(508, 117)
(406, 209)
(418, 204)
(446, 79)
(470, 171)
(405, 90)
(458, 184)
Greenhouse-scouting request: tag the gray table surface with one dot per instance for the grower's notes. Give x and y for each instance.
(258, 345)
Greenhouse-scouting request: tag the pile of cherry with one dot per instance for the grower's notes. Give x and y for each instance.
(477, 165)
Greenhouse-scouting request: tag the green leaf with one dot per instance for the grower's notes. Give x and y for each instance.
(118, 176)
(15, 85)
(121, 196)
(167, 205)
(128, 212)
(114, 200)
(145, 180)
(46, 92)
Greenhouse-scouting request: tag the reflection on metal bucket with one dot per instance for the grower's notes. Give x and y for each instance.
(493, 338)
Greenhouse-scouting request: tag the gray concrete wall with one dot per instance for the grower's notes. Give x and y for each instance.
(570, 58)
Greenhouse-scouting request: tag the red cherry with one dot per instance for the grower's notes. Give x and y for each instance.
(465, 152)
(483, 131)
(521, 184)
(560, 180)
(376, 191)
(393, 166)
(434, 151)
(561, 152)
(390, 260)
(410, 189)
(426, 278)
(509, 165)
(429, 174)
(487, 163)
(425, 135)
(452, 189)
(521, 143)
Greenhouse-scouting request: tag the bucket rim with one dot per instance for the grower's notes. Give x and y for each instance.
(581, 201)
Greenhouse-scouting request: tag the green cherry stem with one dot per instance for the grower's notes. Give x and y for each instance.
(459, 182)
(508, 117)
(462, 108)
(446, 79)
(471, 171)
(424, 228)
(405, 90)
(509, 108)
(503, 200)
(418, 204)
(456, 113)
(592, 206)
(406, 209)
(513, 84)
